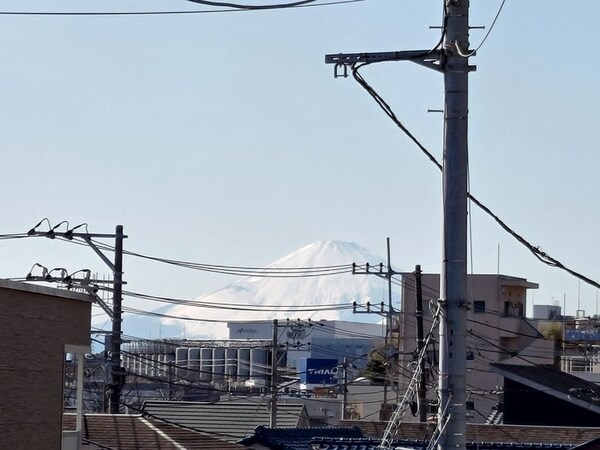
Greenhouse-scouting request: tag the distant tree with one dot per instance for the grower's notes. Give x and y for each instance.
(554, 331)
(377, 367)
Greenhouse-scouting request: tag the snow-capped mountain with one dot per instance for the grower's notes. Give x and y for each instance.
(290, 297)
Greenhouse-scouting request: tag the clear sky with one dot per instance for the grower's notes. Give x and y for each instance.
(223, 137)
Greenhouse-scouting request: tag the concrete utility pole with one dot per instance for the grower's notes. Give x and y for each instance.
(118, 377)
(452, 61)
(453, 281)
(274, 360)
(391, 360)
(420, 344)
(345, 389)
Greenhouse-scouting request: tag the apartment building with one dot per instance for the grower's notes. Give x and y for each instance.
(497, 331)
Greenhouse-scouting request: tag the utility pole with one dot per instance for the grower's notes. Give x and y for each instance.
(453, 62)
(117, 375)
(389, 314)
(452, 413)
(345, 389)
(420, 344)
(274, 359)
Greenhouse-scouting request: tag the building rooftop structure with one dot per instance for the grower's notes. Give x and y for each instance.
(230, 421)
(372, 444)
(135, 432)
(544, 395)
(297, 438)
(515, 434)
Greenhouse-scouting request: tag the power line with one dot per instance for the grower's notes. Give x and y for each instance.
(253, 7)
(180, 12)
(486, 34)
(536, 251)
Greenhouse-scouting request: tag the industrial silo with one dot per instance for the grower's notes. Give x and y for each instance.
(231, 355)
(206, 364)
(181, 362)
(168, 363)
(243, 366)
(218, 364)
(148, 364)
(194, 362)
(258, 364)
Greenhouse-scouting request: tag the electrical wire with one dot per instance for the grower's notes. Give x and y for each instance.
(271, 272)
(536, 251)
(252, 7)
(238, 306)
(467, 55)
(164, 13)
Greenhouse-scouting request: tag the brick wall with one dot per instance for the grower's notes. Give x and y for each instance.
(35, 324)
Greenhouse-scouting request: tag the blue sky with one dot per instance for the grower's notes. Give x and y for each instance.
(223, 138)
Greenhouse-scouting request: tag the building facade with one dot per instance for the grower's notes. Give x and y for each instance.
(497, 331)
(39, 326)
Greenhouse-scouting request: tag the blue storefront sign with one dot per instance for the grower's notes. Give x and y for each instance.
(583, 335)
(317, 371)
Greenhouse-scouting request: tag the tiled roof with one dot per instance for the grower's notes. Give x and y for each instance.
(133, 432)
(297, 438)
(371, 444)
(519, 434)
(591, 445)
(228, 420)
(554, 382)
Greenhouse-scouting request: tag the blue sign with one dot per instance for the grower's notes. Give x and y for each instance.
(583, 335)
(318, 371)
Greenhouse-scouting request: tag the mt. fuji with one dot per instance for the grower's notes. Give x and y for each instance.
(271, 297)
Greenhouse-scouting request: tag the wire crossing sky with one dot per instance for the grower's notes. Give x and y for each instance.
(224, 138)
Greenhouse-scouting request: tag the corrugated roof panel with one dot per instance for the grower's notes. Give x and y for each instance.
(228, 420)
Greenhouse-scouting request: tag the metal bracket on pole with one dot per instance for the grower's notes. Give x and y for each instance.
(103, 257)
(427, 58)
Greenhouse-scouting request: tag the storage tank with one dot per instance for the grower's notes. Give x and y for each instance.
(231, 363)
(206, 364)
(167, 367)
(218, 364)
(243, 366)
(258, 364)
(194, 360)
(153, 363)
(181, 361)
(148, 363)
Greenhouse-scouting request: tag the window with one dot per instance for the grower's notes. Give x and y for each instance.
(479, 306)
(513, 309)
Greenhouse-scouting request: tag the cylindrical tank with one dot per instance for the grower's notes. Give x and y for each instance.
(167, 367)
(243, 367)
(193, 363)
(181, 361)
(148, 364)
(141, 364)
(206, 364)
(231, 363)
(218, 364)
(161, 367)
(258, 364)
(154, 364)
(181, 356)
